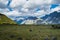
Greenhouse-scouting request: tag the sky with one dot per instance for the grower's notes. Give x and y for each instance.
(15, 8)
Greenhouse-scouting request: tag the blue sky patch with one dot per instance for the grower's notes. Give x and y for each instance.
(53, 6)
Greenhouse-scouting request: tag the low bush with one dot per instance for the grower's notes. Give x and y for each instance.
(56, 26)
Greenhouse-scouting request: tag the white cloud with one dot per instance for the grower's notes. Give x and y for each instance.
(13, 13)
(56, 9)
(16, 3)
(39, 13)
(4, 1)
(24, 10)
(28, 8)
(55, 1)
(4, 10)
(31, 4)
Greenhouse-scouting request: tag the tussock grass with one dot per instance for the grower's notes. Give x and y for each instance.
(22, 32)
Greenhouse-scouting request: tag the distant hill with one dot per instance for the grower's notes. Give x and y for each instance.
(5, 20)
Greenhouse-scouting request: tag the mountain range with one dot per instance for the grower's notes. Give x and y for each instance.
(52, 18)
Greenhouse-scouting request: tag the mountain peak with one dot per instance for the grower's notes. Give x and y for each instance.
(52, 18)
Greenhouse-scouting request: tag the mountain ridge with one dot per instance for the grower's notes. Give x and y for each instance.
(52, 18)
(5, 20)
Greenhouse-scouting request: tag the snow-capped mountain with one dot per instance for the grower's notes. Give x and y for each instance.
(20, 19)
(52, 18)
(26, 19)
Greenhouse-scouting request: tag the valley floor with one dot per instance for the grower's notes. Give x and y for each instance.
(28, 32)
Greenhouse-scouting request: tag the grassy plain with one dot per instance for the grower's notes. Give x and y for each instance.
(28, 32)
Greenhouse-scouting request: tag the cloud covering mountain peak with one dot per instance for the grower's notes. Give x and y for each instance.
(28, 8)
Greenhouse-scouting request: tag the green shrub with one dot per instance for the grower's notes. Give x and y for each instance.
(56, 26)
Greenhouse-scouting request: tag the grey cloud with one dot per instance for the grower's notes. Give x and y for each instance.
(56, 2)
(2, 5)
